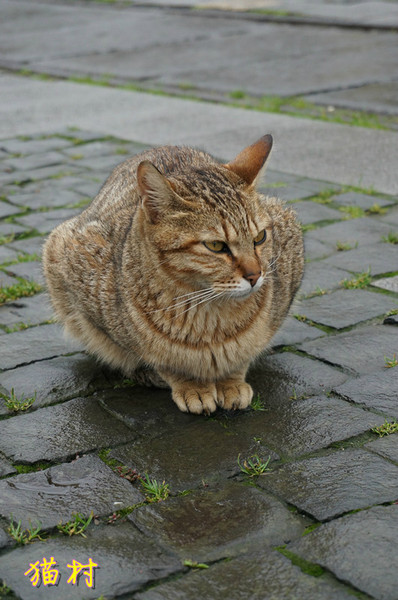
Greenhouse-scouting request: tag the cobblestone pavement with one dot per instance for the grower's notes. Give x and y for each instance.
(319, 523)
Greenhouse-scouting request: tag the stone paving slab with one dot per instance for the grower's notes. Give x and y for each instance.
(31, 271)
(311, 212)
(379, 258)
(328, 486)
(6, 281)
(29, 311)
(178, 524)
(364, 231)
(48, 198)
(35, 344)
(386, 447)
(53, 495)
(7, 210)
(266, 575)
(127, 561)
(62, 431)
(387, 283)
(51, 381)
(377, 391)
(364, 201)
(44, 222)
(360, 351)
(358, 548)
(7, 254)
(294, 332)
(318, 278)
(346, 307)
(6, 468)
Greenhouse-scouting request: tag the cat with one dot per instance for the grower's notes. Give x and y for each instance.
(179, 272)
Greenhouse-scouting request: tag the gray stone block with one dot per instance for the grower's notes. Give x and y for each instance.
(32, 245)
(74, 427)
(34, 146)
(361, 350)
(386, 447)
(315, 249)
(321, 276)
(379, 258)
(7, 280)
(387, 283)
(30, 311)
(44, 222)
(53, 495)
(48, 198)
(294, 332)
(359, 549)
(51, 381)
(346, 307)
(377, 391)
(203, 524)
(266, 575)
(364, 231)
(37, 343)
(328, 486)
(7, 254)
(364, 201)
(8, 229)
(7, 210)
(126, 559)
(35, 161)
(311, 212)
(31, 271)
(6, 468)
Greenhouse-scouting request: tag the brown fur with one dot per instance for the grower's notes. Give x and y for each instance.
(131, 277)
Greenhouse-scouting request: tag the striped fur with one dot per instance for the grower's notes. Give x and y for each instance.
(131, 278)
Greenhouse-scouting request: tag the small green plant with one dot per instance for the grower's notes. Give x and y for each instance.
(358, 281)
(254, 466)
(257, 403)
(390, 362)
(237, 94)
(352, 212)
(195, 565)
(154, 491)
(386, 429)
(14, 404)
(294, 396)
(25, 536)
(342, 246)
(76, 526)
(19, 290)
(376, 209)
(391, 238)
(4, 589)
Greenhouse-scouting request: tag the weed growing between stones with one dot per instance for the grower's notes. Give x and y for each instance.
(25, 536)
(342, 246)
(14, 404)
(154, 491)
(358, 281)
(376, 209)
(76, 526)
(390, 362)
(391, 238)
(257, 403)
(195, 565)
(254, 466)
(21, 289)
(386, 429)
(352, 212)
(305, 566)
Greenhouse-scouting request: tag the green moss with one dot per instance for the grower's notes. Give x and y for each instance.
(306, 567)
(21, 289)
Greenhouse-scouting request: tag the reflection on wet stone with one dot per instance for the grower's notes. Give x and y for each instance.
(210, 524)
(52, 495)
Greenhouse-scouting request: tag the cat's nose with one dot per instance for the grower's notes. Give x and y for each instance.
(252, 278)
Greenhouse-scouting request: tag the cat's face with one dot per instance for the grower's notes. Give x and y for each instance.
(213, 236)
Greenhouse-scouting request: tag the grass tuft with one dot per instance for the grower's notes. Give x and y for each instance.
(358, 281)
(76, 526)
(254, 466)
(386, 429)
(14, 404)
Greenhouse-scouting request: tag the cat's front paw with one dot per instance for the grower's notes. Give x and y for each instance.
(232, 394)
(199, 399)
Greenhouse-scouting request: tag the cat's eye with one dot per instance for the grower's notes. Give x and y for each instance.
(216, 246)
(260, 238)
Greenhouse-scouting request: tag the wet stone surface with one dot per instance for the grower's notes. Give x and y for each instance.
(377, 391)
(386, 447)
(294, 332)
(35, 344)
(266, 575)
(51, 381)
(214, 523)
(361, 350)
(64, 430)
(346, 307)
(328, 486)
(126, 561)
(358, 548)
(53, 495)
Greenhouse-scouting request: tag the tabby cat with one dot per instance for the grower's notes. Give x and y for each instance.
(179, 272)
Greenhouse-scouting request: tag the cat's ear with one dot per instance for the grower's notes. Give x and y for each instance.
(250, 161)
(156, 191)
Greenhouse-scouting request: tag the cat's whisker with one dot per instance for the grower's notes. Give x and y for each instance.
(201, 302)
(193, 293)
(205, 294)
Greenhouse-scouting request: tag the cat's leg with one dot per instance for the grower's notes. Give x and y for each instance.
(234, 392)
(190, 395)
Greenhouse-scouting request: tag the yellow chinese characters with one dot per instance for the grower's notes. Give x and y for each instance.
(43, 571)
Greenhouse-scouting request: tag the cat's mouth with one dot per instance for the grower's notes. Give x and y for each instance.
(245, 289)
